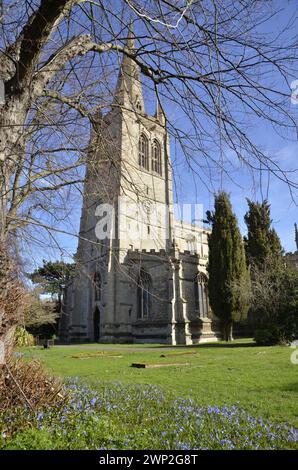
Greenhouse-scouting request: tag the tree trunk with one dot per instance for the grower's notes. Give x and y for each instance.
(228, 330)
(6, 323)
(12, 148)
(11, 140)
(12, 300)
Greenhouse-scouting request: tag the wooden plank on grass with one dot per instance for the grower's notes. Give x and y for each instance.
(179, 353)
(141, 365)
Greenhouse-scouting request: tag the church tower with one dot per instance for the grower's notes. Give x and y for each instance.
(140, 276)
(128, 171)
(145, 185)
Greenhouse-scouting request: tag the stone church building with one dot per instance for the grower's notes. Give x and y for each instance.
(292, 258)
(140, 275)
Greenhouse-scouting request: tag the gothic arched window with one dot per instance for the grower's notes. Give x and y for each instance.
(144, 295)
(201, 295)
(156, 157)
(144, 152)
(97, 286)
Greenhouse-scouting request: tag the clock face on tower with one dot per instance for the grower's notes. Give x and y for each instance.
(147, 206)
(145, 210)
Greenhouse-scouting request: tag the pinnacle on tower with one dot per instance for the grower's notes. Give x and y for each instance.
(296, 236)
(130, 44)
(129, 92)
(160, 115)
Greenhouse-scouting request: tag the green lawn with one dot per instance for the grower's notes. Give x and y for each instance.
(262, 379)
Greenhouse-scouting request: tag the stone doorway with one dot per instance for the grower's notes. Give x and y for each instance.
(96, 325)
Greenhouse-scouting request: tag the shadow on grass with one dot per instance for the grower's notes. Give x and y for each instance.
(291, 387)
(219, 344)
(238, 343)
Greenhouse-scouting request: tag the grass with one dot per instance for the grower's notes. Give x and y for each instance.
(262, 380)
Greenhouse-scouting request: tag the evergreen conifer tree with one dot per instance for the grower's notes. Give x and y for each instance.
(227, 265)
(262, 241)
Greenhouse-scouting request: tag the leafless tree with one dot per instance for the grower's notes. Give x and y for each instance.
(211, 60)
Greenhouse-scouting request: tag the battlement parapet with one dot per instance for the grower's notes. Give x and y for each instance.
(163, 252)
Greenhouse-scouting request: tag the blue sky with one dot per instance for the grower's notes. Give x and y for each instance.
(284, 212)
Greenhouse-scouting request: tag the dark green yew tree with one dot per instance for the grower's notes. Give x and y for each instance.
(262, 241)
(227, 265)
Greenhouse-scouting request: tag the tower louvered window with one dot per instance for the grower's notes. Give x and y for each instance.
(156, 157)
(144, 152)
